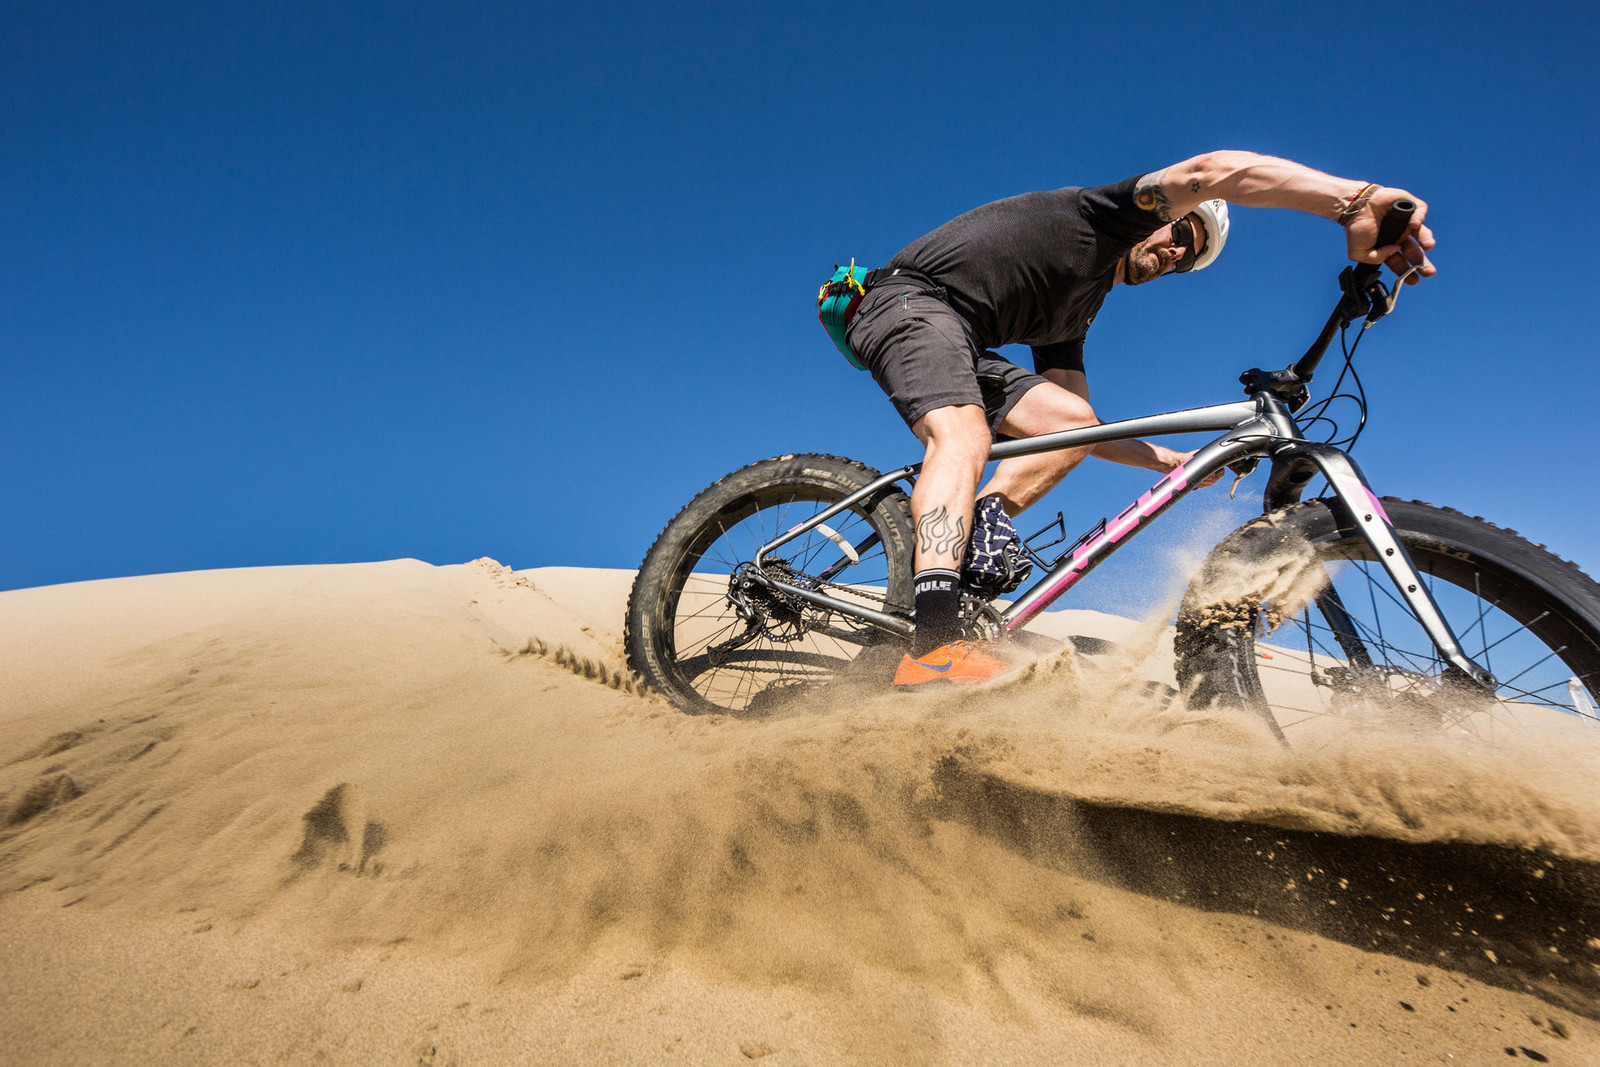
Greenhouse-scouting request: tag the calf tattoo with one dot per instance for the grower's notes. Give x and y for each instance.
(1152, 197)
(940, 534)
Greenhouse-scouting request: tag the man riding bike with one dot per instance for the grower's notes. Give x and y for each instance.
(1034, 269)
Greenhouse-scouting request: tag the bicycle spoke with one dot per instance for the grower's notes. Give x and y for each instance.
(1483, 610)
(1376, 642)
(1531, 666)
(1515, 632)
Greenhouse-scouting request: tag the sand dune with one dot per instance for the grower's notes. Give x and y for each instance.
(397, 813)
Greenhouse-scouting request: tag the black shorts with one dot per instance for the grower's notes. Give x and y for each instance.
(923, 355)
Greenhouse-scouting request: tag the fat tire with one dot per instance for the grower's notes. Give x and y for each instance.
(1215, 646)
(649, 630)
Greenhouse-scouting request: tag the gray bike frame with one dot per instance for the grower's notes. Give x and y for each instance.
(1262, 427)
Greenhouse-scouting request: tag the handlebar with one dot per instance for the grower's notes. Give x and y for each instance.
(1390, 230)
(1364, 295)
(1395, 221)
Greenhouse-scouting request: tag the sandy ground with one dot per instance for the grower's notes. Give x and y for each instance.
(397, 813)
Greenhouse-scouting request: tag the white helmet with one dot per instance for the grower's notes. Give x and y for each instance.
(1214, 213)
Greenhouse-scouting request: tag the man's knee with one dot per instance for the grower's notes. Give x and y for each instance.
(1048, 408)
(958, 433)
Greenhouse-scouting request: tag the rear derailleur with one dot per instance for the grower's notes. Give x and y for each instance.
(765, 611)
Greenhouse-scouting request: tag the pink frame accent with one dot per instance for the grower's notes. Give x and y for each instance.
(1134, 516)
(1377, 506)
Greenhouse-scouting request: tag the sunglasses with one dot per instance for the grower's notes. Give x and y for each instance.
(1183, 235)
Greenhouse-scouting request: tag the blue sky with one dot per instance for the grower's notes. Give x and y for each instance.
(313, 283)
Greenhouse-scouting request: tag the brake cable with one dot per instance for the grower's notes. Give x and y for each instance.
(1318, 412)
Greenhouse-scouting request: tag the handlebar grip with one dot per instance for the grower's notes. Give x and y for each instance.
(1395, 221)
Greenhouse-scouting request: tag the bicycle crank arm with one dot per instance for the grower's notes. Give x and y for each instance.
(1365, 512)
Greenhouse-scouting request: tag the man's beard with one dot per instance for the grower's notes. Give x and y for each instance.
(1134, 274)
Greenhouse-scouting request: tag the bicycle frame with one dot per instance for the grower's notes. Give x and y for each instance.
(1262, 427)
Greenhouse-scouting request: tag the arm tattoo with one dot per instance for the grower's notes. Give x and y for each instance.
(939, 534)
(1150, 196)
(1194, 187)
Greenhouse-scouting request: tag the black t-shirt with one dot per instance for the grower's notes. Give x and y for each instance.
(1033, 269)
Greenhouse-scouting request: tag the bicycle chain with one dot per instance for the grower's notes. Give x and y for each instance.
(975, 610)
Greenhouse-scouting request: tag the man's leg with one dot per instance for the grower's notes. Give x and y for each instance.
(1046, 408)
(923, 356)
(956, 441)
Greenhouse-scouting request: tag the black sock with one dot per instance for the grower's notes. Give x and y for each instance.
(938, 612)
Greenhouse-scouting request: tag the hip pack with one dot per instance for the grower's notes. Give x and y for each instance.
(836, 306)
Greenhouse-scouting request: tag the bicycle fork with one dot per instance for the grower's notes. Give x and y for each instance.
(1293, 465)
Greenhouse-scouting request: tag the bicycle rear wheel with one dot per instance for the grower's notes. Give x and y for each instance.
(1292, 616)
(702, 632)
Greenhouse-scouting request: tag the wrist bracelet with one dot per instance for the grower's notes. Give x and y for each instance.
(1353, 206)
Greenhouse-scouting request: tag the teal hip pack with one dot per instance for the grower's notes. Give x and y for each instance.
(836, 306)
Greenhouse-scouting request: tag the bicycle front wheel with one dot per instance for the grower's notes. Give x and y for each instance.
(1293, 617)
(702, 631)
